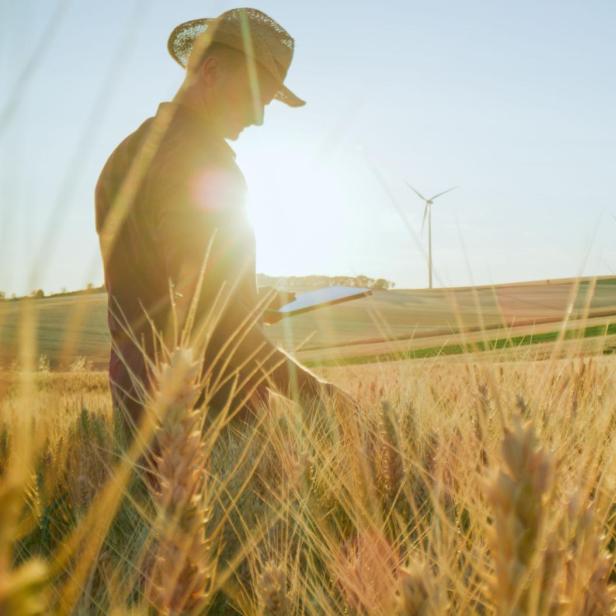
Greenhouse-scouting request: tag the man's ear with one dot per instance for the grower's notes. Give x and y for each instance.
(209, 71)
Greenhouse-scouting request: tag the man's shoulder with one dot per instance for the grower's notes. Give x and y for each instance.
(186, 154)
(124, 152)
(172, 138)
(167, 151)
(128, 163)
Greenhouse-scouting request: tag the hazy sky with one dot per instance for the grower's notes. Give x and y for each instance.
(514, 102)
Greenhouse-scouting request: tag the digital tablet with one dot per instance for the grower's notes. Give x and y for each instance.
(313, 300)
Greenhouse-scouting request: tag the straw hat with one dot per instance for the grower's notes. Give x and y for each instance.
(246, 29)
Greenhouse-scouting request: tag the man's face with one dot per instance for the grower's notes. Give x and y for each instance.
(238, 95)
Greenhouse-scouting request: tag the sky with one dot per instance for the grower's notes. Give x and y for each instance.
(511, 102)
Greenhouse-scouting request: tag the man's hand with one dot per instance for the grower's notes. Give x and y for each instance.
(277, 300)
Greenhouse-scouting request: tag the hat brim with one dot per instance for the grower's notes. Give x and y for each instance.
(288, 97)
(180, 43)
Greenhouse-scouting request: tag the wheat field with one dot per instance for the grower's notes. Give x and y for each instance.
(458, 486)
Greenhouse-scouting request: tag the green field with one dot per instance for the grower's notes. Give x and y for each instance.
(387, 325)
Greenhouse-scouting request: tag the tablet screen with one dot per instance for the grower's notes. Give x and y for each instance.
(311, 300)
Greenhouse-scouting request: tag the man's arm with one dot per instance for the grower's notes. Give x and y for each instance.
(238, 338)
(193, 220)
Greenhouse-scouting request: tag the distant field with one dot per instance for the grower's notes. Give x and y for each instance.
(493, 321)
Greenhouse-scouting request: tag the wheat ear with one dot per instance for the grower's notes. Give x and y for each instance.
(517, 495)
(184, 565)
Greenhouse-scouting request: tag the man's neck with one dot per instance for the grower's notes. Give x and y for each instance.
(192, 99)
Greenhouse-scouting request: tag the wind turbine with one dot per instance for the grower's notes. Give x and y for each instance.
(428, 214)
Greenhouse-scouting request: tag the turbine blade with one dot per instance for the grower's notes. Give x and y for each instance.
(443, 193)
(423, 222)
(416, 192)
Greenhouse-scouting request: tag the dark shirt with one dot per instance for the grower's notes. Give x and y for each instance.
(164, 193)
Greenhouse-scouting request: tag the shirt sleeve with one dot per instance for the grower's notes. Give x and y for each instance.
(199, 210)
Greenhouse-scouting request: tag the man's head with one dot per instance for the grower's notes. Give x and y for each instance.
(236, 64)
(231, 88)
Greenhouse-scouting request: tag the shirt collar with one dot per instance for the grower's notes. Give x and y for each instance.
(184, 113)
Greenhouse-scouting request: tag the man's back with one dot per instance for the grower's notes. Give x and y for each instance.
(171, 184)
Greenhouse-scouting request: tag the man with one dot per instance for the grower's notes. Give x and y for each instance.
(170, 194)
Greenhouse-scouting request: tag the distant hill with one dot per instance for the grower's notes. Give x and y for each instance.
(73, 326)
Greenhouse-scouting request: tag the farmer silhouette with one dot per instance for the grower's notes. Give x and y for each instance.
(172, 191)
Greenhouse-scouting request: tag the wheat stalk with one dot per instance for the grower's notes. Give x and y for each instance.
(184, 565)
(518, 494)
(588, 564)
(23, 590)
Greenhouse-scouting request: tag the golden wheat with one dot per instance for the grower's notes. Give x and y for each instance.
(183, 563)
(382, 513)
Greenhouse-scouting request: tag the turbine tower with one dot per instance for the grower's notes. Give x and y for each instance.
(428, 214)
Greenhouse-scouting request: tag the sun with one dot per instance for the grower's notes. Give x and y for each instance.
(299, 208)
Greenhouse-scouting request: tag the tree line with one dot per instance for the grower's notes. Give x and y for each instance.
(315, 282)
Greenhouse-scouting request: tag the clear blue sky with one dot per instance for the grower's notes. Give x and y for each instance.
(514, 102)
